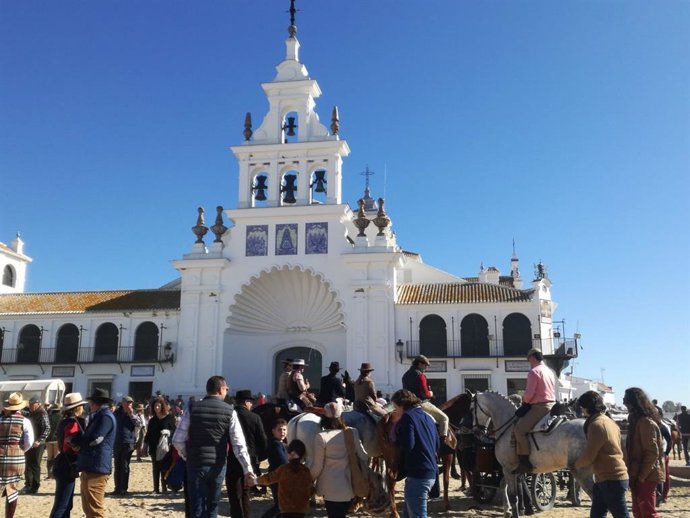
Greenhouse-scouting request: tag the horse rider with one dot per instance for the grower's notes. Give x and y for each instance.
(332, 386)
(415, 381)
(298, 385)
(282, 395)
(365, 393)
(539, 397)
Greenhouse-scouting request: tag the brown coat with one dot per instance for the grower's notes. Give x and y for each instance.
(603, 450)
(645, 454)
(294, 487)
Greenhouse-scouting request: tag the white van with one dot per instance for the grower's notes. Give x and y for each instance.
(48, 391)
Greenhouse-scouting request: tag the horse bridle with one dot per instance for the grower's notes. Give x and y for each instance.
(498, 432)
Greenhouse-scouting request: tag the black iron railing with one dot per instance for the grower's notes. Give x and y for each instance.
(490, 348)
(66, 355)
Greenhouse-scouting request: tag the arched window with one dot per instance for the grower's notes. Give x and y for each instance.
(8, 276)
(474, 336)
(146, 342)
(318, 185)
(433, 340)
(105, 348)
(288, 188)
(517, 335)
(67, 347)
(260, 190)
(29, 344)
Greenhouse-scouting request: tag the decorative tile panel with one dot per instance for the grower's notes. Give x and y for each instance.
(317, 238)
(286, 239)
(257, 240)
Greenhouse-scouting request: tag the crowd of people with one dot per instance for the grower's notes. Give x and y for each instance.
(201, 446)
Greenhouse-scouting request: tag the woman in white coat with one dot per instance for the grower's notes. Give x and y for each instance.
(330, 467)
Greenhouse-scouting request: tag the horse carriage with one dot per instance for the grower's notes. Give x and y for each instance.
(487, 479)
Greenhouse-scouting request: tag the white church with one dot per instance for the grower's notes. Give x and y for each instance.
(292, 272)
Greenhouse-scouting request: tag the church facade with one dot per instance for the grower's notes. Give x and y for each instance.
(292, 272)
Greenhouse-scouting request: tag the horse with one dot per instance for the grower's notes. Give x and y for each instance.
(551, 451)
(270, 413)
(377, 441)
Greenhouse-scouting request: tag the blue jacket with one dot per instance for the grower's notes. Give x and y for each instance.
(418, 442)
(96, 443)
(277, 454)
(125, 427)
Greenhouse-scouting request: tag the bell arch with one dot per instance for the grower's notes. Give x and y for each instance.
(9, 277)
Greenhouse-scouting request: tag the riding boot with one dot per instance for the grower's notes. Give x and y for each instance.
(10, 508)
(525, 465)
(49, 466)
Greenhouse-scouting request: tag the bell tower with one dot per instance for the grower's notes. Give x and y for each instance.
(292, 158)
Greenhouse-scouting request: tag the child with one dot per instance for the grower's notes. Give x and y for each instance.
(294, 483)
(277, 456)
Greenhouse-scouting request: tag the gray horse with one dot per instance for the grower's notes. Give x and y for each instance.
(557, 449)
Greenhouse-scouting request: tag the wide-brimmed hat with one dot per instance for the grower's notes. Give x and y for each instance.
(243, 395)
(15, 402)
(421, 359)
(334, 366)
(100, 396)
(366, 367)
(72, 400)
(299, 362)
(140, 406)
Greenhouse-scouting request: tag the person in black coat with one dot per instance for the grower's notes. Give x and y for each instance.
(332, 386)
(125, 439)
(255, 437)
(161, 419)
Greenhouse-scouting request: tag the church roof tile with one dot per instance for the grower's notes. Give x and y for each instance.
(459, 294)
(87, 301)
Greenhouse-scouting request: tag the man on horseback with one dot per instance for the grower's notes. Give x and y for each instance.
(415, 381)
(365, 393)
(539, 397)
(332, 386)
(298, 386)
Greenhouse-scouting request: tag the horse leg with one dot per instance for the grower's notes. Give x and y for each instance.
(390, 482)
(584, 478)
(510, 501)
(447, 461)
(453, 469)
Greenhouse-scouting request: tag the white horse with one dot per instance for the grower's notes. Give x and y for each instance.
(557, 449)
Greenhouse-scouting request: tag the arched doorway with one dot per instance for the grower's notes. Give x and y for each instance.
(517, 335)
(433, 338)
(146, 342)
(474, 336)
(107, 338)
(67, 347)
(313, 371)
(29, 345)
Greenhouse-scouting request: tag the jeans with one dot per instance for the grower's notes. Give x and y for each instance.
(204, 484)
(684, 438)
(644, 499)
(64, 494)
(122, 457)
(32, 473)
(609, 496)
(416, 496)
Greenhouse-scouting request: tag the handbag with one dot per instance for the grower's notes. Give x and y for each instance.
(360, 484)
(65, 467)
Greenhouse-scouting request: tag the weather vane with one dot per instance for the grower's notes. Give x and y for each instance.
(292, 30)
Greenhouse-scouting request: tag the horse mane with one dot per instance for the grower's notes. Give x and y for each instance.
(502, 396)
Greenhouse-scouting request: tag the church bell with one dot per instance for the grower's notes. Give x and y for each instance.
(260, 188)
(289, 189)
(319, 181)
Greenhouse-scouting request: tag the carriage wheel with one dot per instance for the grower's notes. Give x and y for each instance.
(543, 491)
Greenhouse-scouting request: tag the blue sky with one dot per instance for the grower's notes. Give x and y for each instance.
(563, 125)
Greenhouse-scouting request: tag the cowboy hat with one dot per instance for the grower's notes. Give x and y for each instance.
(100, 396)
(15, 402)
(366, 367)
(243, 395)
(334, 366)
(421, 359)
(72, 400)
(299, 362)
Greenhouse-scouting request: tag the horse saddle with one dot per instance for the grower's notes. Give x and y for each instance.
(548, 423)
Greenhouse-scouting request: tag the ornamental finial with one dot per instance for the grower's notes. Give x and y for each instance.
(200, 228)
(292, 30)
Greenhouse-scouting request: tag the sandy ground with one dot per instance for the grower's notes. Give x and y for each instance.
(143, 503)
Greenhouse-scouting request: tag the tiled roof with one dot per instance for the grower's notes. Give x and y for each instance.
(459, 294)
(81, 302)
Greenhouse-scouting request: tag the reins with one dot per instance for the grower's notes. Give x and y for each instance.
(501, 430)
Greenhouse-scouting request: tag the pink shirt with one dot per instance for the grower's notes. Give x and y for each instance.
(541, 385)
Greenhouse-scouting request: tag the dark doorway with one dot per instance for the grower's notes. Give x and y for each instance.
(433, 341)
(313, 371)
(474, 336)
(29, 345)
(146, 342)
(67, 347)
(438, 387)
(517, 335)
(141, 391)
(107, 337)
